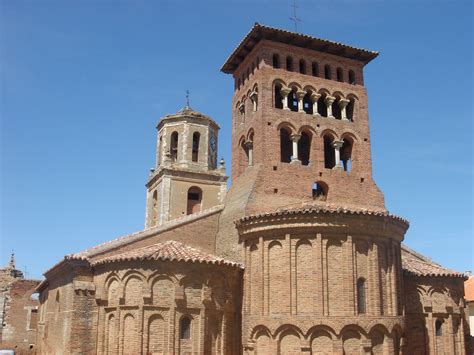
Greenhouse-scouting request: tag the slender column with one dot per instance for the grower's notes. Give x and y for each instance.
(325, 277)
(249, 145)
(318, 274)
(295, 138)
(393, 277)
(263, 270)
(376, 290)
(314, 99)
(254, 98)
(329, 100)
(450, 333)
(337, 147)
(430, 332)
(284, 97)
(300, 96)
(350, 274)
(342, 105)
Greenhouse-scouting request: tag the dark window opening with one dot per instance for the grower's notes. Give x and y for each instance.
(361, 296)
(327, 72)
(304, 148)
(329, 158)
(340, 75)
(258, 63)
(196, 138)
(322, 108)
(336, 109)
(174, 146)
(314, 69)
(253, 68)
(185, 328)
(302, 66)
(289, 63)
(439, 327)
(293, 101)
(352, 77)
(194, 200)
(350, 110)
(286, 146)
(346, 154)
(319, 191)
(278, 97)
(276, 61)
(307, 103)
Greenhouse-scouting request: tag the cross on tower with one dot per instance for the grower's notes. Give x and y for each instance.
(295, 18)
(187, 98)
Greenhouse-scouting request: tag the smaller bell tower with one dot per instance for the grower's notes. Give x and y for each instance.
(187, 178)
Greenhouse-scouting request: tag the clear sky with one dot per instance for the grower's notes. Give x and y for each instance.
(83, 84)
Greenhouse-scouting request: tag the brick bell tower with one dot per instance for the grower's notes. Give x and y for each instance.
(321, 253)
(300, 116)
(187, 178)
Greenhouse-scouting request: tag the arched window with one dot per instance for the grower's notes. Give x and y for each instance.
(286, 146)
(302, 66)
(319, 191)
(196, 139)
(185, 328)
(160, 149)
(340, 75)
(304, 148)
(329, 158)
(278, 97)
(336, 109)
(293, 100)
(352, 77)
(174, 146)
(245, 153)
(327, 71)
(194, 200)
(361, 296)
(322, 108)
(276, 61)
(154, 211)
(346, 154)
(314, 69)
(289, 63)
(439, 327)
(350, 109)
(307, 103)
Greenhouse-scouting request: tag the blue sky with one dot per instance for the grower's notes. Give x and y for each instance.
(83, 84)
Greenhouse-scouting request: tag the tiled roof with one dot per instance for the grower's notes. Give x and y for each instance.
(170, 251)
(469, 289)
(419, 265)
(322, 210)
(189, 112)
(259, 32)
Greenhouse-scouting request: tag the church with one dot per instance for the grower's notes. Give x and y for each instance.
(298, 256)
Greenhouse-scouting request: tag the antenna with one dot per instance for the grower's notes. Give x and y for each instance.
(295, 18)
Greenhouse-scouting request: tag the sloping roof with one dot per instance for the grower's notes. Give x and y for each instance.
(419, 265)
(469, 289)
(187, 111)
(168, 251)
(259, 32)
(320, 209)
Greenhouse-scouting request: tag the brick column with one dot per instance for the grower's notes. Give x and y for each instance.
(293, 276)
(318, 295)
(430, 332)
(450, 332)
(350, 277)
(202, 329)
(263, 270)
(325, 277)
(266, 280)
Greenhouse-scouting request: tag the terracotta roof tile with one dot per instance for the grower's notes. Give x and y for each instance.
(170, 251)
(419, 265)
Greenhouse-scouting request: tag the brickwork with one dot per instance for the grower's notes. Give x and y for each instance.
(300, 256)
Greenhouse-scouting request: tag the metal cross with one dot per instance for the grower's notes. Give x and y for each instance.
(295, 18)
(187, 98)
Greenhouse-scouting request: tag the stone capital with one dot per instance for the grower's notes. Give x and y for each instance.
(314, 97)
(329, 99)
(253, 95)
(241, 107)
(284, 91)
(300, 94)
(337, 144)
(295, 137)
(248, 144)
(343, 103)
